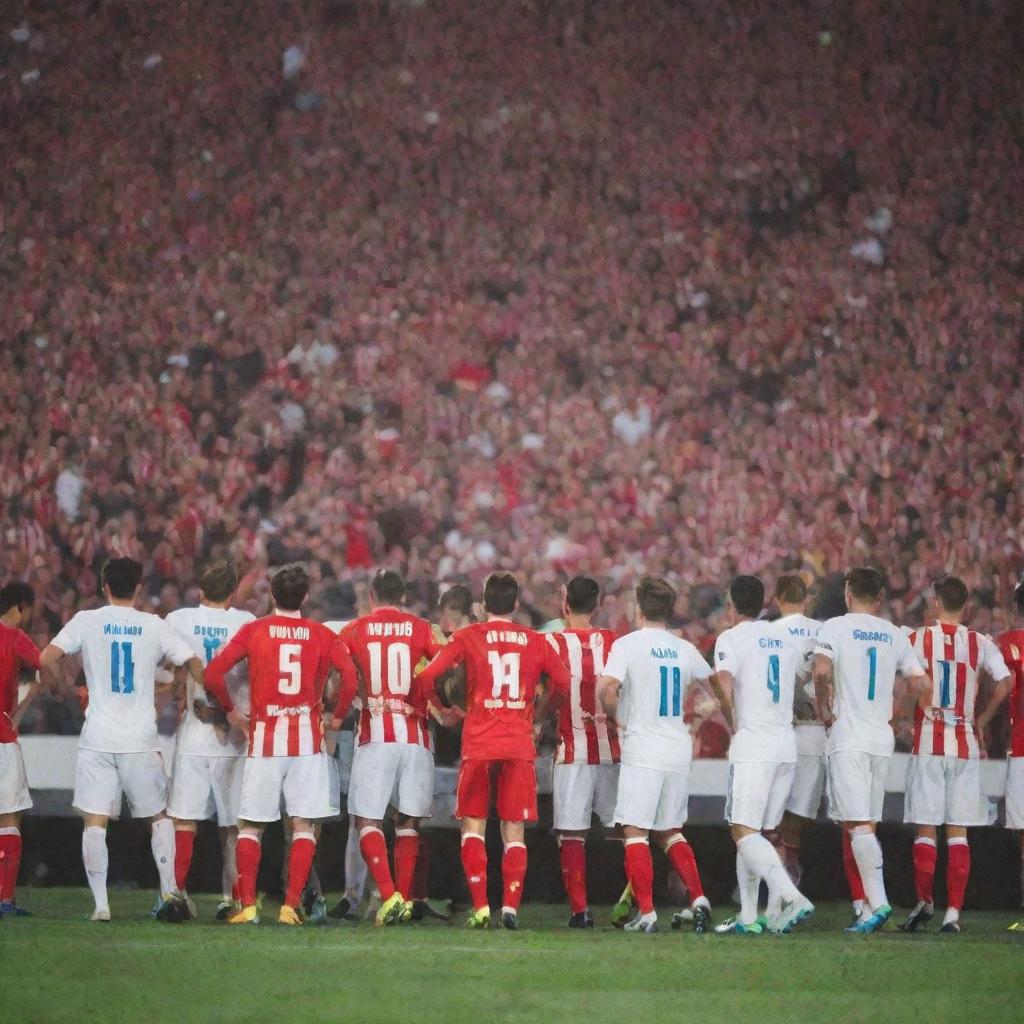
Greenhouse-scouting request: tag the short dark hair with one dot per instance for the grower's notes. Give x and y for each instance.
(1018, 596)
(219, 580)
(865, 583)
(290, 586)
(656, 598)
(952, 593)
(16, 595)
(501, 591)
(790, 589)
(747, 594)
(387, 585)
(122, 576)
(582, 594)
(457, 598)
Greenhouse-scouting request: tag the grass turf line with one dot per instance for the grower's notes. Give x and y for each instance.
(58, 967)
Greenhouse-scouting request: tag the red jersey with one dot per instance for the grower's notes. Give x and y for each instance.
(289, 660)
(386, 646)
(504, 664)
(952, 656)
(1011, 644)
(16, 652)
(584, 735)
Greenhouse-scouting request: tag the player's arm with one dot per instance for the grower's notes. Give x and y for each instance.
(608, 691)
(341, 659)
(993, 663)
(919, 686)
(723, 684)
(234, 651)
(559, 681)
(427, 679)
(824, 686)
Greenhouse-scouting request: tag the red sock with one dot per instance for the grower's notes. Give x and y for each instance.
(375, 853)
(573, 854)
(247, 855)
(421, 876)
(474, 863)
(852, 871)
(513, 874)
(958, 869)
(680, 852)
(300, 860)
(640, 872)
(407, 849)
(10, 860)
(184, 841)
(924, 868)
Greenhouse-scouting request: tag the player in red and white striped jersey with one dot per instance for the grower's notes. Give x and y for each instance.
(944, 773)
(586, 770)
(394, 760)
(289, 660)
(1011, 644)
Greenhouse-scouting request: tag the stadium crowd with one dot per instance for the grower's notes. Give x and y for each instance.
(667, 288)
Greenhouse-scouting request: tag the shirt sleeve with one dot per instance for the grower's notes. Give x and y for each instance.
(907, 662)
(825, 644)
(223, 662)
(27, 652)
(69, 639)
(556, 670)
(341, 659)
(173, 647)
(992, 660)
(616, 665)
(725, 655)
(699, 668)
(431, 645)
(453, 653)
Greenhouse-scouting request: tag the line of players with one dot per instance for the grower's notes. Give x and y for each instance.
(624, 750)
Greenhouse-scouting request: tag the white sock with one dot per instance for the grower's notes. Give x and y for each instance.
(952, 914)
(867, 852)
(749, 884)
(96, 859)
(355, 867)
(229, 868)
(763, 860)
(162, 844)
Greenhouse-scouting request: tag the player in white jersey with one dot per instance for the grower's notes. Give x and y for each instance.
(209, 754)
(119, 749)
(643, 689)
(856, 660)
(809, 776)
(944, 772)
(756, 666)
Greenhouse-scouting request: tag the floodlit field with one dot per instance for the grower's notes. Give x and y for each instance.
(57, 967)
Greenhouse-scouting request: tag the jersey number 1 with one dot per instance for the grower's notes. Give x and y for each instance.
(872, 671)
(677, 691)
(774, 676)
(122, 668)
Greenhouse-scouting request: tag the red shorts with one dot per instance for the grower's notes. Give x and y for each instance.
(516, 784)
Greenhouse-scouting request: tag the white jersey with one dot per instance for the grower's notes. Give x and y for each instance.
(121, 649)
(655, 669)
(804, 631)
(206, 630)
(762, 658)
(866, 653)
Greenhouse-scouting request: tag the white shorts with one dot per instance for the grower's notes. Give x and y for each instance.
(757, 793)
(1015, 792)
(13, 780)
(808, 785)
(944, 791)
(398, 775)
(334, 773)
(652, 799)
(100, 779)
(856, 785)
(302, 784)
(581, 791)
(204, 787)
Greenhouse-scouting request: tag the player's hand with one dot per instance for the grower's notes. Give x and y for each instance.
(238, 720)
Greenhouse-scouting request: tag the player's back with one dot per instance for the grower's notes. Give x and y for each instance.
(655, 668)
(585, 736)
(289, 661)
(121, 650)
(504, 663)
(386, 645)
(867, 651)
(804, 631)
(1011, 646)
(762, 658)
(206, 630)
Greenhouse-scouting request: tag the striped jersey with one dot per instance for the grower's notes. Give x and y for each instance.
(289, 660)
(386, 646)
(952, 655)
(1011, 645)
(584, 734)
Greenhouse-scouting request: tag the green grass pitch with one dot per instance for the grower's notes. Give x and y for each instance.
(57, 967)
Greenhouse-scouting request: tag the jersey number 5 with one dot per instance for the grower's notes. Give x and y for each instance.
(505, 673)
(290, 664)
